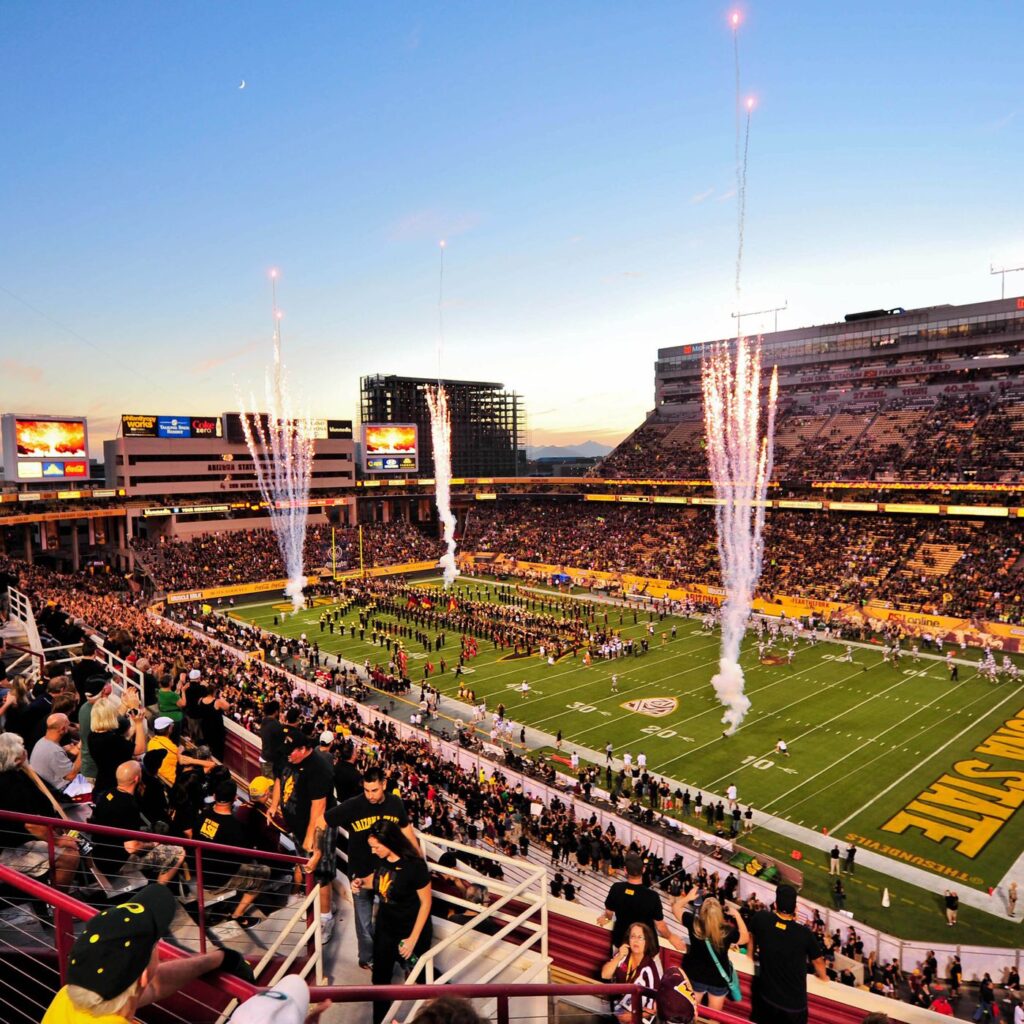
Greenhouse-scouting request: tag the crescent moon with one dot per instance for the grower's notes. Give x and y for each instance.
(242, 84)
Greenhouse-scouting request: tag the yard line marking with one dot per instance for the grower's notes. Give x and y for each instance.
(860, 810)
(774, 714)
(900, 724)
(703, 692)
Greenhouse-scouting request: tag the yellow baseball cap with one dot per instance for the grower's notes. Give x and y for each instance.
(260, 786)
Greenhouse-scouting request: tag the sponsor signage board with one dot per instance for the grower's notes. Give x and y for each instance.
(146, 425)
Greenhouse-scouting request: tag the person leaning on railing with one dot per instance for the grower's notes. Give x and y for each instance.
(114, 967)
(24, 847)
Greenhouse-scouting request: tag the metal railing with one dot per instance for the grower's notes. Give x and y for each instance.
(55, 827)
(503, 996)
(48, 957)
(28, 664)
(20, 609)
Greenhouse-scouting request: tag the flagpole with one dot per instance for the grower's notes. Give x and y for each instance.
(334, 553)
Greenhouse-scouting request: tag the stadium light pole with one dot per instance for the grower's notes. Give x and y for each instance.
(1002, 272)
(762, 312)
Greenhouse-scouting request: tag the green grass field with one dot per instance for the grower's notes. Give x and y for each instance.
(865, 739)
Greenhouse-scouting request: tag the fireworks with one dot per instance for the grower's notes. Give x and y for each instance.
(441, 435)
(281, 445)
(740, 465)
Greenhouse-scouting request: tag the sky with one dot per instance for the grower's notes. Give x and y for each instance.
(578, 159)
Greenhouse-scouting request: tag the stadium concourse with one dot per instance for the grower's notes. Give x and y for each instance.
(441, 799)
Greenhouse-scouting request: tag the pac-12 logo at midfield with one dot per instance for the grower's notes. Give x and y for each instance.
(655, 707)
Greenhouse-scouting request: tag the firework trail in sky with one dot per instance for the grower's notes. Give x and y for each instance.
(281, 446)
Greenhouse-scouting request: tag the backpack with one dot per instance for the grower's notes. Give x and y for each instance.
(675, 999)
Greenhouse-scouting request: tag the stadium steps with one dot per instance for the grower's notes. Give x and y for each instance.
(934, 560)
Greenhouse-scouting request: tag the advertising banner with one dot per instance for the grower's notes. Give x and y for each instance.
(174, 426)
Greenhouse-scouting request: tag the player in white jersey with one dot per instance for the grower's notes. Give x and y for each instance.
(615, 683)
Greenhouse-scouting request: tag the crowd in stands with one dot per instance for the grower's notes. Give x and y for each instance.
(839, 556)
(485, 809)
(953, 437)
(249, 556)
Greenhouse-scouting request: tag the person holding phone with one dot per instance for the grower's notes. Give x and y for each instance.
(401, 880)
(636, 961)
(711, 931)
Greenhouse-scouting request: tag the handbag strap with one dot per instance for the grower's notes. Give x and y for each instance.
(727, 978)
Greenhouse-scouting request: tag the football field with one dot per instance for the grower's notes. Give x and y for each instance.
(913, 765)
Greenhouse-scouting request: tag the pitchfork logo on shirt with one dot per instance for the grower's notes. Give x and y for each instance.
(655, 707)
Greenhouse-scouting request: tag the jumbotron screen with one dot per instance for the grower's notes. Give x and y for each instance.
(45, 448)
(390, 448)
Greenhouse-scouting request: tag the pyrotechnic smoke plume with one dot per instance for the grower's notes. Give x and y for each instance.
(282, 451)
(740, 464)
(441, 434)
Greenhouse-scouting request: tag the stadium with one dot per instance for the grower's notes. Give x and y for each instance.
(361, 706)
(569, 663)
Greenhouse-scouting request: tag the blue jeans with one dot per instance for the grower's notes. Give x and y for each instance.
(362, 902)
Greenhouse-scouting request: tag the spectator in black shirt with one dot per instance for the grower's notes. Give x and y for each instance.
(23, 847)
(631, 901)
(357, 816)
(784, 947)
(401, 880)
(347, 780)
(218, 824)
(272, 736)
(119, 808)
(109, 745)
(710, 934)
(305, 792)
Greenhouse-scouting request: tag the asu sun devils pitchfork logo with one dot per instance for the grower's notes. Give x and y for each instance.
(654, 707)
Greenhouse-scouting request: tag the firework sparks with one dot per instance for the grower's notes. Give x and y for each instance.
(441, 435)
(281, 445)
(740, 465)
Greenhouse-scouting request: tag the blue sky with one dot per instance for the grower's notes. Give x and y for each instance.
(577, 157)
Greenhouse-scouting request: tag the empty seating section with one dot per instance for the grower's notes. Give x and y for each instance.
(960, 436)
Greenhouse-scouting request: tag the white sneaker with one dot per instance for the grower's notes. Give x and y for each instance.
(326, 927)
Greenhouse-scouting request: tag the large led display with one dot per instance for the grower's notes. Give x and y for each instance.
(45, 447)
(390, 448)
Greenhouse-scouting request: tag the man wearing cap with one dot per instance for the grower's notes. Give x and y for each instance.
(305, 793)
(260, 832)
(161, 740)
(114, 967)
(218, 824)
(783, 948)
(194, 691)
